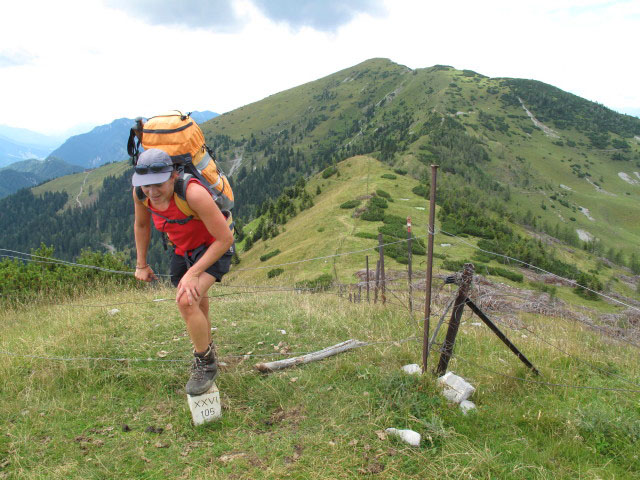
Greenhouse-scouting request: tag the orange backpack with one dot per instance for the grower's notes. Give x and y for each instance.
(180, 136)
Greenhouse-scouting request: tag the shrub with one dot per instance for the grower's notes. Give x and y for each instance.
(20, 281)
(322, 282)
(552, 290)
(400, 171)
(382, 193)
(368, 235)
(591, 282)
(350, 204)
(378, 202)
(390, 176)
(373, 215)
(269, 255)
(329, 171)
(275, 272)
(498, 271)
(393, 230)
(454, 265)
(421, 190)
(482, 257)
(393, 219)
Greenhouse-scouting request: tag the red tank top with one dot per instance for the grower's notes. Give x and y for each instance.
(185, 237)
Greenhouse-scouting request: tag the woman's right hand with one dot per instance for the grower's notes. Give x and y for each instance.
(145, 274)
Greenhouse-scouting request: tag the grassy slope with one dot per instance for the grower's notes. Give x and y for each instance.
(91, 179)
(550, 166)
(326, 230)
(65, 419)
(423, 91)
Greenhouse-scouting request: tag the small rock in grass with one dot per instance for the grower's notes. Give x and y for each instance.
(457, 389)
(407, 436)
(466, 406)
(113, 311)
(412, 369)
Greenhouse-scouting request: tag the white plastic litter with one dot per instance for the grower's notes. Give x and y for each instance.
(466, 406)
(407, 436)
(283, 332)
(113, 311)
(476, 324)
(412, 369)
(457, 389)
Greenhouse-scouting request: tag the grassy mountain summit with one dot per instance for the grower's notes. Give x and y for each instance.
(567, 161)
(539, 157)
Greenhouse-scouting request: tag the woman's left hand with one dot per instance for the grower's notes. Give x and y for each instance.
(189, 285)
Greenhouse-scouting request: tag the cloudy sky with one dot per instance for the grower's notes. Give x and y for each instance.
(65, 63)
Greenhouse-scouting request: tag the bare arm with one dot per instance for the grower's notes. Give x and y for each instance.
(202, 203)
(142, 234)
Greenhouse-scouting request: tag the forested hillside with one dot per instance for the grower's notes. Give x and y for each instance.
(32, 172)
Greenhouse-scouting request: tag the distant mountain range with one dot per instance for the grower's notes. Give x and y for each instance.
(12, 151)
(103, 144)
(22, 152)
(547, 160)
(29, 173)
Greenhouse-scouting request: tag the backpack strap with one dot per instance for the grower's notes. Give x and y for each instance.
(181, 221)
(180, 195)
(135, 137)
(141, 196)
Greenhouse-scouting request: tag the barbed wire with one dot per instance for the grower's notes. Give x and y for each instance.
(540, 382)
(353, 252)
(527, 329)
(66, 264)
(172, 360)
(600, 328)
(542, 270)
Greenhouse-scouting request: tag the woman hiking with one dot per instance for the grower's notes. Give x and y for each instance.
(202, 251)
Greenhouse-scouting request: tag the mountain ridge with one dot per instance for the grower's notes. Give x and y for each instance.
(481, 131)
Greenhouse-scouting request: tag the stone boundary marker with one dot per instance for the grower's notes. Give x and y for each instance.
(206, 407)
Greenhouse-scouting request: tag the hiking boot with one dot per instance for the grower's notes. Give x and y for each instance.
(203, 371)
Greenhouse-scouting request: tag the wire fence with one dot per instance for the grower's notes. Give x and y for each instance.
(397, 297)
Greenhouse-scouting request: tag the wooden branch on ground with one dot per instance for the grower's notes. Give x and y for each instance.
(310, 357)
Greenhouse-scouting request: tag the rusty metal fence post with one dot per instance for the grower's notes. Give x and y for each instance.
(427, 301)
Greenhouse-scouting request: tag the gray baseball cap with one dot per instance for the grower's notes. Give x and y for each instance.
(154, 166)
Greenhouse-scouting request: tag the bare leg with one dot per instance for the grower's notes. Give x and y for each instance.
(196, 316)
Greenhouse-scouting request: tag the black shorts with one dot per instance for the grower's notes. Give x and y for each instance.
(179, 264)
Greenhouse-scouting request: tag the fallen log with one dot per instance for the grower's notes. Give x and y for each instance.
(309, 357)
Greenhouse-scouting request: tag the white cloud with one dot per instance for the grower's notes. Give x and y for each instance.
(87, 62)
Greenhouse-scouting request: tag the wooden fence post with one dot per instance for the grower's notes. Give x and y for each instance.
(382, 276)
(454, 322)
(367, 260)
(409, 273)
(375, 296)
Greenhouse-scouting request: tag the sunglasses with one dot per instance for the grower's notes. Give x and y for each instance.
(153, 168)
